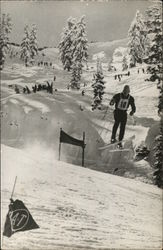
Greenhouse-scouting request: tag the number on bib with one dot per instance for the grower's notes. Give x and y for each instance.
(123, 104)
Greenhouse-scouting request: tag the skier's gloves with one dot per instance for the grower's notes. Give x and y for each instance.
(131, 113)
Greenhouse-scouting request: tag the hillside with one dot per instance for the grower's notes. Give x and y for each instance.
(78, 208)
(111, 203)
(52, 54)
(38, 117)
(106, 47)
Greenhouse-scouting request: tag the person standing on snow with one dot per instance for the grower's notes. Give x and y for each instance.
(122, 101)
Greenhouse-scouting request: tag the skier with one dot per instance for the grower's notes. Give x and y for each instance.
(122, 102)
(119, 77)
(83, 92)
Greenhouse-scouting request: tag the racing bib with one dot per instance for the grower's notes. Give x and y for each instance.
(123, 104)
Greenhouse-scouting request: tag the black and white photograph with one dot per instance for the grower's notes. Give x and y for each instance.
(81, 124)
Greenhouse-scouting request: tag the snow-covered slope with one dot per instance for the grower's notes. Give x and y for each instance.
(77, 207)
(106, 47)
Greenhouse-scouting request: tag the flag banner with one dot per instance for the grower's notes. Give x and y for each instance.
(65, 138)
(18, 219)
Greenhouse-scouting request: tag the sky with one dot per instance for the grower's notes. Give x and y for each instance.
(105, 20)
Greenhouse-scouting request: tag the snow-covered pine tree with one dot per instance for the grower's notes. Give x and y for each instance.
(98, 86)
(124, 63)
(76, 75)
(155, 69)
(79, 49)
(5, 30)
(33, 42)
(137, 39)
(155, 56)
(80, 43)
(25, 53)
(65, 45)
(158, 164)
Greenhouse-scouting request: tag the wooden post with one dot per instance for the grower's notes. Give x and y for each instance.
(60, 145)
(83, 149)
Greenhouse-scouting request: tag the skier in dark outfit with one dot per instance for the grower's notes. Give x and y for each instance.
(122, 101)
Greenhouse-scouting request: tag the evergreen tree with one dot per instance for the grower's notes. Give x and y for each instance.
(79, 48)
(5, 30)
(137, 40)
(158, 174)
(73, 48)
(155, 69)
(98, 86)
(124, 63)
(25, 53)
(76, 75)
(33, 42)
(155, 56)
(80, 43)
(65, 45)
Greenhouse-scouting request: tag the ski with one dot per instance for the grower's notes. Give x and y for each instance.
(108, 145)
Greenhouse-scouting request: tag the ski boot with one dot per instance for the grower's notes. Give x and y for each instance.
(113, 141)
(119, 145)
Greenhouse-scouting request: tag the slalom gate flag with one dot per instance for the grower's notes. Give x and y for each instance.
(65, 138)
(18, 219)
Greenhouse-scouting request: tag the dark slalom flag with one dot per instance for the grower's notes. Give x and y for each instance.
(18, 219)
(65, 138)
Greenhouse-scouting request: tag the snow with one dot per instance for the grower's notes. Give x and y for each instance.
(14, 101)
(31, 103)
(18, 97)
(20, 70)
(150, 91)
(27, 109)
(35, 104)
(56, 66)
(51, 51)
(140, 132)
(110, 43)
(99, 55)
(75, 206)
(69, 111)
(84, 207)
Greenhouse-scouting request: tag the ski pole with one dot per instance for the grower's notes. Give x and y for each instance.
(13, 188)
